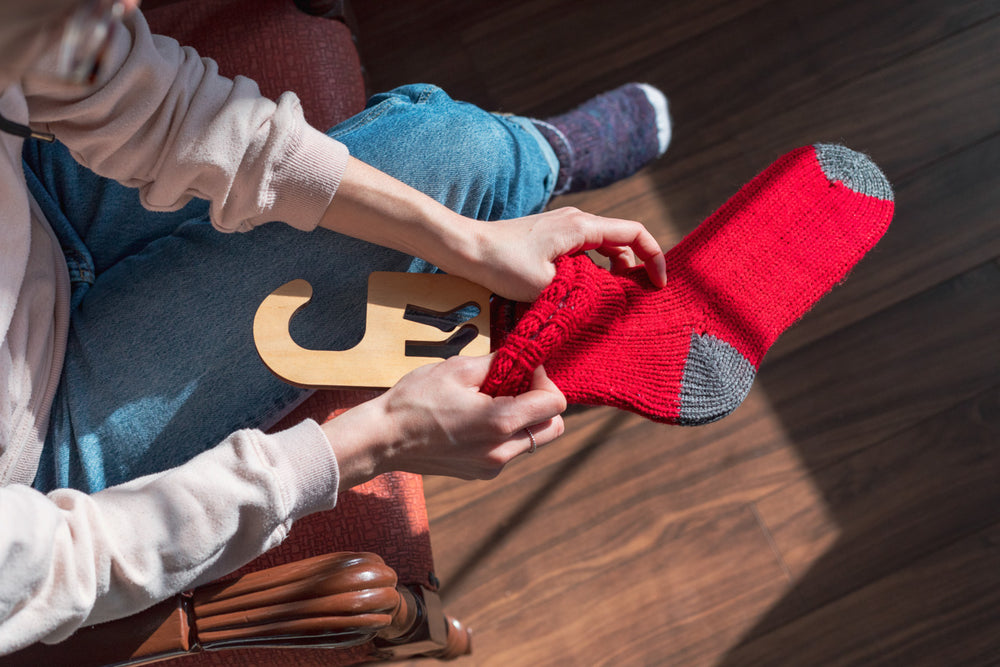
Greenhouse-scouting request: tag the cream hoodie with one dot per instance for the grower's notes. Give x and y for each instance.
(160, 119)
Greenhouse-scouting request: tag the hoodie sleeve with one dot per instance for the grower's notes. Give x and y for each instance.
(71, 559)
(162, 119)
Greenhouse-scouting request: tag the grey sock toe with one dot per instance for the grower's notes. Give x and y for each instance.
(853, 169)
(716, 380)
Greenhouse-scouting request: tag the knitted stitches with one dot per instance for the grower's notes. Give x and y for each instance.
(688, 353)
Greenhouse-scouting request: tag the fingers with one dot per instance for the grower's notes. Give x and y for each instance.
(543, 400)
(521, 442)
(544, 433)
(546, 400)
(656, 269)
(623, 241)
(622, 259)
(537, 410)
(471, 371)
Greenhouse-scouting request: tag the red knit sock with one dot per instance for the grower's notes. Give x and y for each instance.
(688, 353)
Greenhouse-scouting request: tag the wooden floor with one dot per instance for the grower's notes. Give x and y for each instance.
(849, 512)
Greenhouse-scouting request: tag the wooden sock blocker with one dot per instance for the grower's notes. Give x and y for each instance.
(404, 329)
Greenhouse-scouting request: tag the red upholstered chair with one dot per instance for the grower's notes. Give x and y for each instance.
(283, 48)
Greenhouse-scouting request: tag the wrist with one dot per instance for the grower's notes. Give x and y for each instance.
(358, 440)
(372, 206)
(460, 248)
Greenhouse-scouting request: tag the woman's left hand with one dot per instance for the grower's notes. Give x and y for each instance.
(515, 258)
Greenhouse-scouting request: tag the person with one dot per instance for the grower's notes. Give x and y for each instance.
(133, 455)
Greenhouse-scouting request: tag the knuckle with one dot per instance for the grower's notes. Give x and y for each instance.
(504, 424)
(456, 364)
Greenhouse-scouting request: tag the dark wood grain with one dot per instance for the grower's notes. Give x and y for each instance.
(823, 522)
(683, 579)
(941, 610)
(855, 522)
(896, 368)
(944, 223)
(616, 474)
(815, 406)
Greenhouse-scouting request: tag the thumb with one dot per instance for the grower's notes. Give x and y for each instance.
(543, 400)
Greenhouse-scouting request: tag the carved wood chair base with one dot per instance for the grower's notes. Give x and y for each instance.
(333, 601)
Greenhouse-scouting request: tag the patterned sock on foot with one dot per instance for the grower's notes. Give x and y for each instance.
(688, 353)
(608, 137)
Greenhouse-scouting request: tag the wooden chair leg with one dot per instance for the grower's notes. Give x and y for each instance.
(431, 633)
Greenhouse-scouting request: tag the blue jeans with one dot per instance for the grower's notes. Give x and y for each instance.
(160, 363)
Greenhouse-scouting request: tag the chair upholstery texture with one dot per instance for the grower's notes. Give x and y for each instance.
(278, 46)
(284, 49)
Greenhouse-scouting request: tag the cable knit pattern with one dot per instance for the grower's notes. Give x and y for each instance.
(572, 302)
(687, 353)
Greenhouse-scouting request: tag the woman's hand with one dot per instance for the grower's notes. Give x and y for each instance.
(514, 258)
(435, 421)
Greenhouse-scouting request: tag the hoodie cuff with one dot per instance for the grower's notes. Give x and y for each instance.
(303, 187)
(306, 467)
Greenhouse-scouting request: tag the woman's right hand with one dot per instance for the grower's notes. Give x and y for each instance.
(435, 421)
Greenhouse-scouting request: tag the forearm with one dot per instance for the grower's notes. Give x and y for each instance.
(70, 558)
(375, 207)
(513, 258)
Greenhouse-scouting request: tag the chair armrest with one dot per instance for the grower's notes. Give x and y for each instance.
(332, 600)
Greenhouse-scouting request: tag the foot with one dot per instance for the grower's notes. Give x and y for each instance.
(608, 137)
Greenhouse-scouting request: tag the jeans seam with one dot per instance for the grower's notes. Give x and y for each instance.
(364, 118)
(426, 94)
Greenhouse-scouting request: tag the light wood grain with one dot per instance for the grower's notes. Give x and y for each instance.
(380, 359)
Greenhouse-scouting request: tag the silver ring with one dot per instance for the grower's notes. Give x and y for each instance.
(534, 444)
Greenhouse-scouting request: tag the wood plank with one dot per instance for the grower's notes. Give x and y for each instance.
(906, 339)
(533, 54)
(542, 38)
(813, 408)
(857, 521)
(596, 473)
(752, 59)
(868, 113)
(691, 588)
(823, 403)
(871, 380)
(490, 47)
(942, 610)
(944, 223)
(403, 43)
